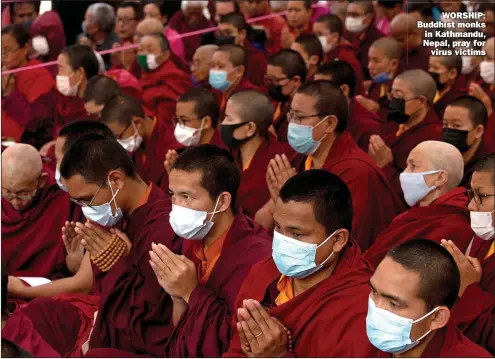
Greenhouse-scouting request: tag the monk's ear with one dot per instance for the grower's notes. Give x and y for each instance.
(346, 90)
(225, 202)
(453, 74)
(242, 70)
(207, 123)
(395, 65)
(479, 131)
(313, 60)
(332, 124)
(242, 36)
(42, 180)
(252, 129)
(117, 179)
(440, 318)
(341, 239)
(297, 80)
(443, 178)
(139, 123)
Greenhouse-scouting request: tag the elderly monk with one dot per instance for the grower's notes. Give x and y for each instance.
(314, 282)
(438, 207)
(464, 123)
(201, 65)
(217, 255)
(410, 305)
(101, 177)
(404, 28)
(245, 130)
(411, 120)
(474, 311)
(34, 210)
(78, 263)
(317, 132)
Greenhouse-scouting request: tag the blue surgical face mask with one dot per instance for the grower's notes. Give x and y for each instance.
(381, 78)
(58, 178)
(103, 214)
(389, 332)
(301, 138)
(218, 80)
(294, 258)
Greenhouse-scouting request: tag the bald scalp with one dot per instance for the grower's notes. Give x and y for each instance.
(206, 51)
(236, 54)
(444, 156)
(150, 26)
(420, 83)
(21, 163)
(404, 23)
(253, 106)
(390, 47)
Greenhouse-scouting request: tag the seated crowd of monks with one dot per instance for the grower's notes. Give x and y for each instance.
(312, 184)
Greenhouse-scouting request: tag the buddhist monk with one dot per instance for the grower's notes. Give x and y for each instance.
(233, 29)
(244, 130)
(318, 120)
(216, 255)
(146, 139)
(330, 31)
(410, 121)
(228, 73)
(299, 21)
(201, 65)
(272, 26)
(163, 82)
(306, 287)
(310, 49)
(100, 90)
(438, 207)
(464, 123)
(410, 305)
(361, 30)
(446, 71)
(404, 28)
(477, 265)
(34, 209)
(77, 263)
(286, 71)
(361, 123)
(101, 177)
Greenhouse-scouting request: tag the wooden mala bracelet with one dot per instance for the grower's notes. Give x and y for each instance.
(107, 258)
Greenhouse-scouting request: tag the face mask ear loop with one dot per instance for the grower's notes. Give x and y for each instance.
(420, 319)
(113, 195)
(322, 243)
(215, 209)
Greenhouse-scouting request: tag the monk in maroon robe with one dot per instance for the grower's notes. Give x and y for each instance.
(474, 311)
(406, 285)
(217, 260)
(304, 300)
(34, 210)
(272, 26)
(163, 82)
(440, 213)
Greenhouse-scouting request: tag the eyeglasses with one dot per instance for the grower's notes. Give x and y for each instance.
(295, 118)
(478, 197)
(83, 203)
(21, 196)
(270, 81)
(183, 122)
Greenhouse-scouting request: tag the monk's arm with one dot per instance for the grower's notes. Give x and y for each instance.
(393, 173)
(264, 216)
(81, 282)
(180, 306)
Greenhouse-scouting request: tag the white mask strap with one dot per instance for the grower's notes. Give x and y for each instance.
(320, 122)
(215, 210)
(426, 315)
(113, 195)
(322, 243)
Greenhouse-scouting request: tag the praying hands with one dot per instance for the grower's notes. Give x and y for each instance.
(278, 172)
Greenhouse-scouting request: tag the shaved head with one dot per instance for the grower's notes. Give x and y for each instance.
(236, 54)
(149, 26)
(389, 46)
(489, 47)
(206, 51)
(404, 23)
(20, 162)
(420, 83)
(253, 106)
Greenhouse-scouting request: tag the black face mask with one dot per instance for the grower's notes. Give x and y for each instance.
(397, 110)
(224, 40)
(436, 77)
(457, 138)
(275, 93)
(227, 134)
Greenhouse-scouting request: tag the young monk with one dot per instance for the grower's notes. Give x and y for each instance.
(411, 120)
(163, 82)
(99, 173)
(233, 29)
(305, 287)
(100, 90)
(464, 122)
(310, 49)
(244, 130)
(438, 208)
(446, 71)
(228, 73)
(410, 305)
(286, 71)
(299, 21)
(217, 254)
(146, 139)
(34, 209)
(477, 265)
(77, 263)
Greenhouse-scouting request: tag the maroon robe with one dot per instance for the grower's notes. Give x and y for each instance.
(32, 243)
(256, 64)
(457, 90)
(448, 342)
(446, 218)
(253, 192)
(489, 135)
(347, 53)
(162, 88)
(417, 59)
(216, 140)
(280, 121)
(362, 124)
(474, 311)
(373, 200)
(430, 129)
(378, 93)
(362, 42)
(324, 310)
(204, 329)
(481, 152)
(69, 109)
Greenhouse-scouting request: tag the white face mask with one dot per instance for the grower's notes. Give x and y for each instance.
(482, 224)
(414, 186)
(58, 178)
(487, 72)
(467, 65)
(133, 142)
(188, 136)
(325, 45)
(151, 61)
(103, 214)
(64, 87)
(191, 224)
(355, 24)
(40, 45)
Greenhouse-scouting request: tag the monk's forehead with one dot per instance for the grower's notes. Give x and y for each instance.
(79, 187)
(391, 278)
(15, 182)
